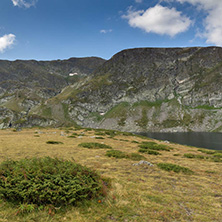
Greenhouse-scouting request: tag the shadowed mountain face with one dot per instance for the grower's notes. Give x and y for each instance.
(154, 89)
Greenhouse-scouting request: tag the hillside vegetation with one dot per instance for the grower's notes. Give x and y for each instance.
(181, 183)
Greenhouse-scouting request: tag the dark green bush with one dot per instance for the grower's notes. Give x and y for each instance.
(175, 168)
(47, 181)
(95, 145)
(151, 152)
(54, 142)
(154, 146)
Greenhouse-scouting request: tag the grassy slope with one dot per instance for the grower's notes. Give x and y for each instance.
(138, 193)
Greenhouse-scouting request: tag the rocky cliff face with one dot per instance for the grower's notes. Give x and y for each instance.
(147, 89)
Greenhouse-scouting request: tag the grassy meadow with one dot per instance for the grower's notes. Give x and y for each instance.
(136, 192)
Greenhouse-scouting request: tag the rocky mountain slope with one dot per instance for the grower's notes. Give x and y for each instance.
(26, 84)
(144, 89)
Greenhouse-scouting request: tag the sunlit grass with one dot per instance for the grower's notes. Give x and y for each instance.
(137, 193)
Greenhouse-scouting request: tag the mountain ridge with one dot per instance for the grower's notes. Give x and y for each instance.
(144, 89)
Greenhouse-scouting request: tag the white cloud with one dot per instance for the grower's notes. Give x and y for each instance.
(138, 1)
(24, 3)
(160, 20)
(104, 31)
(212, 23)
(6, 41)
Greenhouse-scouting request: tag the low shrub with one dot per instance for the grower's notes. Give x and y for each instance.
(151, 152)
(134, 141)
(71, 136)
(119, 155)
(206, 151)
(116, 153)
(100, 134)
(88, 129)
(175, 168)
(176, 154)
(48, 181)
(99, 138)
(136, 156)
(217, 157)
(194, 156)
(54, 142)
(154, 146)
(95, 146)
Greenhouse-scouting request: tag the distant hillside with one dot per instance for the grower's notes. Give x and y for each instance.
(144, 89)
(26, 84)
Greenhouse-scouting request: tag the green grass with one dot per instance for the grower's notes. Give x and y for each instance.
(146, 103)
(119, 110)
(47, 111)
(207, 107)
(95, 146)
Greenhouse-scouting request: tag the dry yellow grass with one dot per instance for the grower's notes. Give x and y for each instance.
(138, 193)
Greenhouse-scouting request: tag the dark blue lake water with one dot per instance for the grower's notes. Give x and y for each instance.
(198, 139)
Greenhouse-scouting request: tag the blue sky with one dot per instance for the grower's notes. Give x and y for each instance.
(60, 29)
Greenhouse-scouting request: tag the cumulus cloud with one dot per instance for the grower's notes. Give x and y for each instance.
(6, 41)
(212, 23)
(158, 19)
(24, 3)
(138, 1)
(104, 31)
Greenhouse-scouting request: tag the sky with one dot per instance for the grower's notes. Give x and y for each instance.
(60, 29)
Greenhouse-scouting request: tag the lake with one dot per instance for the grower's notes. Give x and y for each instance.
(198, 139)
